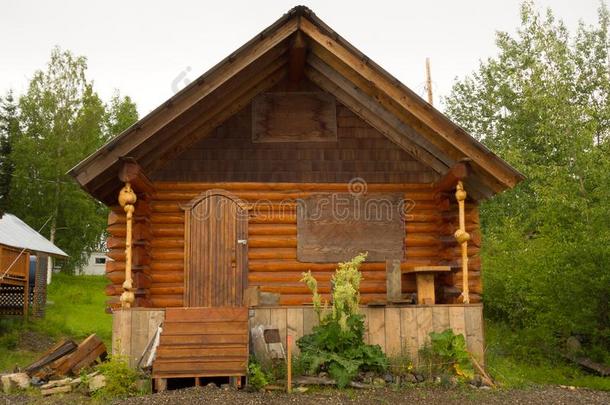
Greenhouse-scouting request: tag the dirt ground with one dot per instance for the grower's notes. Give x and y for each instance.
(429, 394)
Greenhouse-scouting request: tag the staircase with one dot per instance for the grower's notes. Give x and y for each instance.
(202, 342)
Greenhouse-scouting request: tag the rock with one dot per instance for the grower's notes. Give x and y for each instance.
(437, 380)
(388, 378)
(323, 374)
(573, 345)
(378, 382)
(300, 389)
(211, 385)
(56, 390)
(225, 387)
(410, 378)
(97, 382)
(56, 383)
(36, 381)
(420, 377)
(484, 387)
(14, 381)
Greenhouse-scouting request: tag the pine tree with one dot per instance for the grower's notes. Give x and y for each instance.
(9, 130)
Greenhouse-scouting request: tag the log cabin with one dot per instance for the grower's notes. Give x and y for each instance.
(24, 257)
(292, 154)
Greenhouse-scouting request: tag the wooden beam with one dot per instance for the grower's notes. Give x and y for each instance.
(375, 121)
(458, 172)
(175, 107)
(414, 104)
(296, 60)
(131, 172)
(373, 105)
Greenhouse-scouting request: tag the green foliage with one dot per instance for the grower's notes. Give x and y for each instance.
(61, 120)
(543, 104)
(512, 360)
(257, 378)
(9, 131)
(337, 343)
(447, 352)
(120, 379)
(76, 309)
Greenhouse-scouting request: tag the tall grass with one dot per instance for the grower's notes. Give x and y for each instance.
(75, 309)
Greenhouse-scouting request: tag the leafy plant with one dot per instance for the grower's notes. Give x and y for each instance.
(120, 378)
(257, 378)
(337, 344)
(447, 352)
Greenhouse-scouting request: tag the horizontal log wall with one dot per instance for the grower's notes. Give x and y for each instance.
(272, 242)
(398, 330)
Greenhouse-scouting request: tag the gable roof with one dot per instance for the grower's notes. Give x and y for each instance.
(16, 233)
(298, 44)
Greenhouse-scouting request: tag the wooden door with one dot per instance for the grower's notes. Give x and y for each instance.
(216, 228)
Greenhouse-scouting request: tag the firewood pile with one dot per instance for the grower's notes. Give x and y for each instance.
(59, 369)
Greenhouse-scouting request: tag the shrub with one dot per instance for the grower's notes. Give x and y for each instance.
(120, 378)
(337, 344)
(447, 352)
(257, 378)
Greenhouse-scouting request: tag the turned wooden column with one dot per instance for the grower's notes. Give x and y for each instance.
(462, 238)
(127, 200)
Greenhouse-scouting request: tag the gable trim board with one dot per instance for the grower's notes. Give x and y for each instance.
(330, 62)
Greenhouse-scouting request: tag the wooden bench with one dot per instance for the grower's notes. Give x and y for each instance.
(424, 276)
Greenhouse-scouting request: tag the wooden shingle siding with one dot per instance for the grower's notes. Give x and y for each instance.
(361, 151)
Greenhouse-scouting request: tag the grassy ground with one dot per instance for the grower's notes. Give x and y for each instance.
(507, 364)
(75, 309)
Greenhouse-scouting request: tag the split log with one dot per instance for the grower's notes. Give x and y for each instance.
(59, 350)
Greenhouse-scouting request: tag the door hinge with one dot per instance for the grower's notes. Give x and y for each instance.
(242, 241)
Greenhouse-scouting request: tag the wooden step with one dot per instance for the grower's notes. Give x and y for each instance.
(203, 342)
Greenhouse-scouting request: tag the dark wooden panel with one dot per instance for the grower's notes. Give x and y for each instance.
(336, 227)
(294, 117)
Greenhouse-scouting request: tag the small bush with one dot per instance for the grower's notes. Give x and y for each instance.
(120, 379)
(337, 345)
(447, 352)
(257, 378)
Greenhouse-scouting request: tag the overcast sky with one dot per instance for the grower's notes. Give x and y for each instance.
(148, 48)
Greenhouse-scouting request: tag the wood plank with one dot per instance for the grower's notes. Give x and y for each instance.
(473, 318)
(376, 317)
(424, 325)
(408, 331)
(440, 319)
(294, 325)
(219, 367)
(393, 345)
(310, 319)
(213, 314)
(166, 352)
(207, 328)
(277, 318)
(393, 280)
(199, 340)
(457, 320)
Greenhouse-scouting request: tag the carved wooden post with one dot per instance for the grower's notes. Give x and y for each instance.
(127, 199)
(462, 238)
